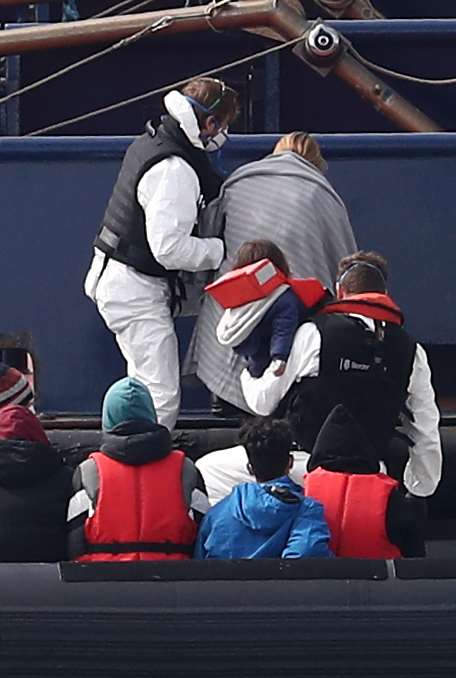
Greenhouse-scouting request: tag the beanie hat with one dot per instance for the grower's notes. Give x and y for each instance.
(14, 387)
(127, 400)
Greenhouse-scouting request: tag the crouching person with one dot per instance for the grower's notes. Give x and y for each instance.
(35, 487)
(269, 518)
(135, 499)
(368, 513)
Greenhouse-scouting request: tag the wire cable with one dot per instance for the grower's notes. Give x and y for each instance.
(335, 5)
(112, 9)
(163, 22)
(138, 6)
(438, 82)
(166, 88)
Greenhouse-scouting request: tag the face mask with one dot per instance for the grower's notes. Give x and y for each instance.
(215, 142)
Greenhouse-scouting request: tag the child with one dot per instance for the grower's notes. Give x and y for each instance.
(269, 518)
(263, 331)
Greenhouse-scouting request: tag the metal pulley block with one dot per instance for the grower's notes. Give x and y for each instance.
(321, 47)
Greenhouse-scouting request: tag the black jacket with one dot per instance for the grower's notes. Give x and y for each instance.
(35, 487)
(123, 230)
(367, 372)
(342, 446)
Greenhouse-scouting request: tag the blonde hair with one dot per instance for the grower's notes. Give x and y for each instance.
(304, 145)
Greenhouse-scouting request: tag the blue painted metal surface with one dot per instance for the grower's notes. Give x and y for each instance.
(399, 190)
(400, 9)
(416, 8)
(301, 99)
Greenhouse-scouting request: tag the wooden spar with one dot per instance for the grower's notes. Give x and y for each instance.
(358, 9)
(381, 96)
(274, 14)
(242, 14)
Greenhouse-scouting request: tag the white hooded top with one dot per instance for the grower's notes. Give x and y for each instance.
(169, 194)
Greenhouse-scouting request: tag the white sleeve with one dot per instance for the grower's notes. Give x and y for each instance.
(263, 395)
(424, 468)
(169, 193)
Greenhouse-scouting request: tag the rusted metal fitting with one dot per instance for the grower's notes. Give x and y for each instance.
(321, 48)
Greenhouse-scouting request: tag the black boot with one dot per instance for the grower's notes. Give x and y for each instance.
(220, 408)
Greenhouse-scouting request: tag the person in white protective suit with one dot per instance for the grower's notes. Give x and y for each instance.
(146, 236)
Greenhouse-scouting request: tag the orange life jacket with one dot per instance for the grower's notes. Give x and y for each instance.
(355, 508)
(375, 305)
(257, 281)
(140, 512)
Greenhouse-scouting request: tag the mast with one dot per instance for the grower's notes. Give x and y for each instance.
(322, 47)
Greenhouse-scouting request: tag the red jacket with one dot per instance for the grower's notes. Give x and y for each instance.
(355, 509)
(140, 512)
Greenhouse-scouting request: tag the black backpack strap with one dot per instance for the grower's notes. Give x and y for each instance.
(282, 494)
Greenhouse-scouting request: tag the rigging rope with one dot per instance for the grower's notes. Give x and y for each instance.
(163, 22)
(336, 5)
(439, 82)
(165, 88)
(112, 9)
(158, 25)
(166, 21)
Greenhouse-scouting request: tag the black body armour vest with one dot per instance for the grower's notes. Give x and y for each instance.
(123, 230)
(367, 372)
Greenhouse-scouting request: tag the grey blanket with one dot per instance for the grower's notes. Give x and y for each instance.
(281, 198)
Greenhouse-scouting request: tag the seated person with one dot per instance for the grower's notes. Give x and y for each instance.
(133, 499)
(14, 387)
(355, 352)
(35, 487)
(269, 518)
(368, 513)
(263, 331)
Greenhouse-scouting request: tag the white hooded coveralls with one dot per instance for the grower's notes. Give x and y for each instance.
(136, 307)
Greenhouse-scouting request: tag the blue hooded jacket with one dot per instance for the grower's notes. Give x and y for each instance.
(252, 522)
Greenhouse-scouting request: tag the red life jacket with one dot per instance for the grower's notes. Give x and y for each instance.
(257, 281)
(373, 305)
(355, 509)
(140, 512)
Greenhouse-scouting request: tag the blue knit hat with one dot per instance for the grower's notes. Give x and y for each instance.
(127, 400)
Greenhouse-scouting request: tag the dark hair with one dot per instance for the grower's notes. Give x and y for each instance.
(255, 250)
(363, 272)
(268, 444)
(215, 95)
